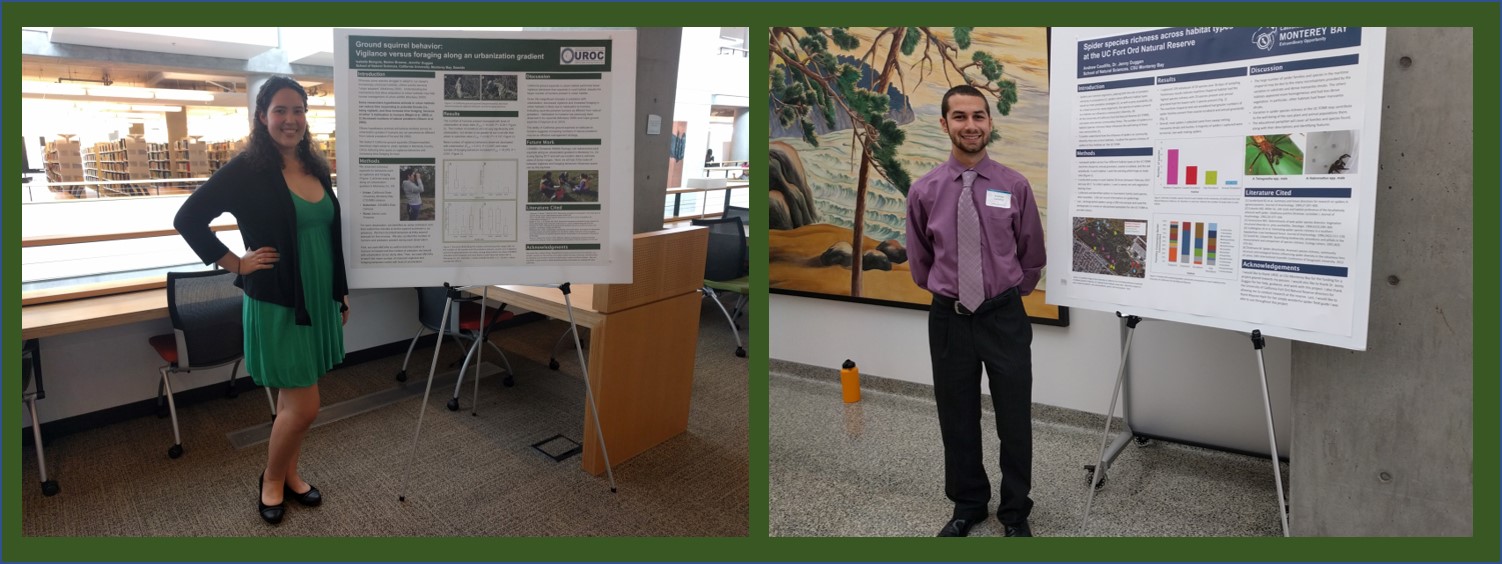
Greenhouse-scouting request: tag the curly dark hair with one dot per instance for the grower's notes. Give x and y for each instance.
(262, 151)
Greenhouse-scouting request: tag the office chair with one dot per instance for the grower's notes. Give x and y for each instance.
(553, 360)
(745, 215)
(725, 268)
(735, 211)
(29, 397)
(205, 308)
(468, 324)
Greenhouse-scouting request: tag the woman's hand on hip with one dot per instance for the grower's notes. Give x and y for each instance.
(259, 259)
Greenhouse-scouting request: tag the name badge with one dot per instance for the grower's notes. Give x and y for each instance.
(998, 199)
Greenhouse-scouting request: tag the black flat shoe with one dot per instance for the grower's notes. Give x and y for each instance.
(1019, 530)
(272, 514)
(959, 526)
(310, 498)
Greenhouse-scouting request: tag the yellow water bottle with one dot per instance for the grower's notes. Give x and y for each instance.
(850, 381)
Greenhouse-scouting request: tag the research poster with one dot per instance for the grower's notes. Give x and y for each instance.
(1223, 177)
(485, 157)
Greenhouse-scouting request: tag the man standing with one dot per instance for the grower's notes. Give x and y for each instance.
(975, 241)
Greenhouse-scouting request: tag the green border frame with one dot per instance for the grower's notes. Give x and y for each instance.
(1483, 17)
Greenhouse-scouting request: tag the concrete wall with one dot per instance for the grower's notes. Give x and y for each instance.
(1382, 439)
(656, 87)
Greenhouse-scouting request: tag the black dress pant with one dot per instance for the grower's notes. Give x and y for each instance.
(999, 337)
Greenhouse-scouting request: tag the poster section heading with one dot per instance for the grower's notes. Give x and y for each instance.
(467, 54)
(1192, 46)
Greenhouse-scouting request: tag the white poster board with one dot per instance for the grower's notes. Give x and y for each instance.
(521, 145)
(1223, 177)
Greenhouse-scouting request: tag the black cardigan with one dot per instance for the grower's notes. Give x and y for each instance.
(261, 203)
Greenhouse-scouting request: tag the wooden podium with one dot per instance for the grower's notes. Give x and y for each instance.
(643, 340)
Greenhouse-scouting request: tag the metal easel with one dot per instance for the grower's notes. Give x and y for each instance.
(1108, 454)
(456, 294)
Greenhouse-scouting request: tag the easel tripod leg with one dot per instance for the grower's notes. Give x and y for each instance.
(1099, 473)
(1272, 437)
(423, 407)
(588, 390)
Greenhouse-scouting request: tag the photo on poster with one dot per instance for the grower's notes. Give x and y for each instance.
(1332, 152)
(1275, 154)
(1115, 247)
(416, 193)
(485, 87)
(563, 186)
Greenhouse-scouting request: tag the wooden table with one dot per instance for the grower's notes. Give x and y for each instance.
(60, 318)
(642, 342)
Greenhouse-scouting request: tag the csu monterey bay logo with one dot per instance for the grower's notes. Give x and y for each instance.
(582, 55)
(1265, 38)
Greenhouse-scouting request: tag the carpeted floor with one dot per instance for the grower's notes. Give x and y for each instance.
(473, 475)
(876, 468)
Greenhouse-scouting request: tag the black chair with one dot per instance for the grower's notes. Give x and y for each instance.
(735, 211)
(205, 308)
(471, 322)
(725, 268)
(29, 397)
(745, 215)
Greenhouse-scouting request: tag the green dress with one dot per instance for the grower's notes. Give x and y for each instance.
(279, 353)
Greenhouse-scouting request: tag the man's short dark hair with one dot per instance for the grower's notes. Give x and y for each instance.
(963, 90)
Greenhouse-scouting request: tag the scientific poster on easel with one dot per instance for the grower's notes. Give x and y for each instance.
(473, 157)
(1223, 177)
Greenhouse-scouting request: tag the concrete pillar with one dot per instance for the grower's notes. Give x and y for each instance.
(740, 142)
(1382, 439)
(252, 87)
(656, 88)
(177, 125)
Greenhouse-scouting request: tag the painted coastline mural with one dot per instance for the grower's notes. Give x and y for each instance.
(855, 120)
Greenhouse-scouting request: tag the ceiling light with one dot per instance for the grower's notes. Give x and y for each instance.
(151, 108)
(29, 87)
(184, 95)
(120, 92)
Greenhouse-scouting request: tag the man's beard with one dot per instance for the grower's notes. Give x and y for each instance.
(963, 145)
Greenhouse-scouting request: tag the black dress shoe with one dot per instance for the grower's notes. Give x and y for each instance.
(270, 513)
(1019, 530)
(959, 526)
(310, 498)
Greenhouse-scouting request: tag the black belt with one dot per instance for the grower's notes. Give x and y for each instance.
(991, 303)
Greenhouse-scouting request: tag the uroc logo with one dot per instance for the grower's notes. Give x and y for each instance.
(1265, 38)
(582, 55)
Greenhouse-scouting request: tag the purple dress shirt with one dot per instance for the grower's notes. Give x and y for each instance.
(1011, 231)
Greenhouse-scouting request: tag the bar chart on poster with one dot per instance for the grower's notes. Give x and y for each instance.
(1196, 246)
(1199, 163)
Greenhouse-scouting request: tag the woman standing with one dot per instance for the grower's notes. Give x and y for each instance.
(296, 297)
(412, 188)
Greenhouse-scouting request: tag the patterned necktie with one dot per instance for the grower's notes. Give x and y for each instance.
(971, 273)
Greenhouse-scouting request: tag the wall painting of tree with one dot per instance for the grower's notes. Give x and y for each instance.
(855, 120)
